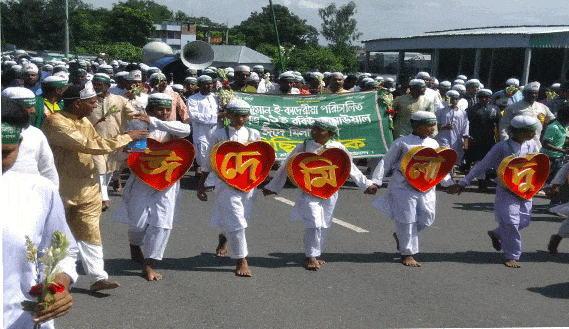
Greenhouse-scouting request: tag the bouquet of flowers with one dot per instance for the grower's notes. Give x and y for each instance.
(551, 95)
(45, 289)
(511, 90)
(224, 96)
(222, 73)
(110, 111)
(134, 91)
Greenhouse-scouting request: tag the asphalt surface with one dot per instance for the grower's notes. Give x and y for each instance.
(462, 282)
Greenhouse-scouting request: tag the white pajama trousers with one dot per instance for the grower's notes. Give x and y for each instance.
(104, 181)
(314, 239)
(238, 243)
(408, 236)
(564, 229)
(152, 241)
(92, 260)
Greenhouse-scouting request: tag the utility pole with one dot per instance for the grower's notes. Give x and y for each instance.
(277, 31)
(67, 28)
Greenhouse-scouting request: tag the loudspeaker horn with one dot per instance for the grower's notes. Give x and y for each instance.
(154, 51)
(197, 55)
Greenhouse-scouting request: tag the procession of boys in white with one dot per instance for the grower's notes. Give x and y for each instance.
(150, 214)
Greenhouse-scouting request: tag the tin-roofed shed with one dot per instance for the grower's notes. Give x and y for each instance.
(490, 53)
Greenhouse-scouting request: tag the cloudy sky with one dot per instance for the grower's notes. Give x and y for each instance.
(381, 18)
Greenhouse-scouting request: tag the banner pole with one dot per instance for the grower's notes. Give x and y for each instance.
(277, 32)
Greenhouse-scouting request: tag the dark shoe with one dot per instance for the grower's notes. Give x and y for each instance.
(554, 243)
(104, 285)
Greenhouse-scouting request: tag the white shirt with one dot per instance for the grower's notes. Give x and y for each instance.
(30, 206)
(35, 156)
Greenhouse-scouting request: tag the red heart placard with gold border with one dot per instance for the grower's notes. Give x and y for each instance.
(524, 176)
(242, 166)
(424, 167)
(322, 174)
(163, 164)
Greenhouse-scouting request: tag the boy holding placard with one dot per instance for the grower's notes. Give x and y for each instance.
(316, 212)
(410, 209)
(513, 213)
(232, 207)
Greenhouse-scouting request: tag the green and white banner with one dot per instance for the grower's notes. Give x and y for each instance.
(285, 121)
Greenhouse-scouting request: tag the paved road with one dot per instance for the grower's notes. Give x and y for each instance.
(461, 284)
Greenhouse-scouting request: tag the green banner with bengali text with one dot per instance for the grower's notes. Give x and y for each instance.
(285, 121)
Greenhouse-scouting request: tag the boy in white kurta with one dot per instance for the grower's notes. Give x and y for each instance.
(317, 213)
(232, 207)
(150, 213)
(410, 209)
(512, 212)
(453, 126)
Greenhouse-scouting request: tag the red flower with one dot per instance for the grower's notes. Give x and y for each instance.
(390, 111)
(35, 291)
(56, 288)
(226, 82)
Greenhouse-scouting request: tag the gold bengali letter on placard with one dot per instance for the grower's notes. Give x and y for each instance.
(523, 176)
(240, 165)
(160, 161)
(327, 173)
(353, 143)
(430, 166)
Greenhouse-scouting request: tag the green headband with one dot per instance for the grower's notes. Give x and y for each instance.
(159, 102)
(527, 128)
(328, 127)
(101, 78)
(55, 84)
(10, 134)
(26, 102)
(424, 122)
(239, 110)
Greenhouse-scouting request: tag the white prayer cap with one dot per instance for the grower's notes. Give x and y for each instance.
(144, 67)
(61, 74)
(556, 86)
(30, 68)
(445, 84)
(286, 76)
(205, 78)
(122, 75)
(157, 77)
(338, 74)
(238, 106)
(422, 75)
(459, 88)
(462, 77)
(56, 81)
(134, 75)
(435, 82)
(481, 86)
(102, 77)
(458, 82)
(390, 80)
(472, 83)
(213, 68)
(423, 118)
(21, 95)
(327, 123)
(366, 80)
(485, 92)
(47, 67)
(259, 68)
(230, 74)
(326, 74)
(379, 78)
(367, 74)
(177, 87)
(192, 80)
(513, 82)
(417, 83)
(453, 94)
(524, 122)
(105, 68)
(254, 77)
(16, 68)
(532, 86)
(114, 63)
(159, 99)
(208, 71)
(88, 91)
(37, 60)
(242, 68)
(229, 69)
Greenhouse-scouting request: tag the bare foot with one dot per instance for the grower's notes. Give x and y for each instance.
(312, 264)
(242, 268)
(136, 254)
(320, 261)
(495, 240)
(554, 243)
(221, 250)
(105, 205)
(104, 285)
(149, 274)
(512, 263)
(396, 240)
(118, 185)
(408, 260)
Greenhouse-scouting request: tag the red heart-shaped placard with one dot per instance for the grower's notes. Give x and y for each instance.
(524, 176)
(163, 164)
(424, 167)
(322, 174)
(241, 166)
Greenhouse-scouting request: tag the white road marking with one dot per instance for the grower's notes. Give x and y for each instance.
(334, 220)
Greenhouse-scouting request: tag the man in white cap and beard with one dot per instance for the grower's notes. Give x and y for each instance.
(30, 73)
(530, 107)
(110, 119)
(430, 94)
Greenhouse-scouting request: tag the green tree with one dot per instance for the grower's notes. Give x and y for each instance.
(158, 13)
(259, 29)
(314, 58)
(338, 25)
(129, 25)
(118, 50)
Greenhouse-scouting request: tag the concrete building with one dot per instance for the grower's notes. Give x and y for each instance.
(175, 34)
(491, 54)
